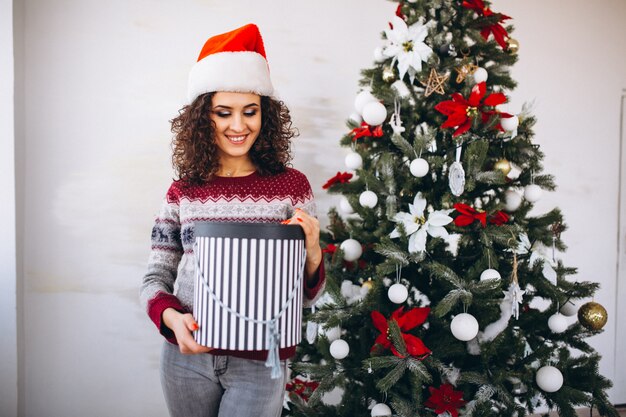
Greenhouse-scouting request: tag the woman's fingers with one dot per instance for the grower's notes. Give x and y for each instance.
(186, 342)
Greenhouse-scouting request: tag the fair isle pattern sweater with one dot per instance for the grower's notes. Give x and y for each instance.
(169, 281)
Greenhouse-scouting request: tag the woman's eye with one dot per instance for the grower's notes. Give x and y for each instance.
(250, 113)
(222, 114)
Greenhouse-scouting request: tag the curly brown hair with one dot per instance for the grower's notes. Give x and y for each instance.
(194, 152)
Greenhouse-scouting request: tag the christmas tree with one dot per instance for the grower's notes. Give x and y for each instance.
(445, 294)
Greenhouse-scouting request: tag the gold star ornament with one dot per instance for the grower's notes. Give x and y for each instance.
(465, 71)
(435, 82)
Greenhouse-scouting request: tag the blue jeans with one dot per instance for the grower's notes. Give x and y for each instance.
(207, 385)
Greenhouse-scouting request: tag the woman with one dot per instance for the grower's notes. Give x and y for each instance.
(230, 151)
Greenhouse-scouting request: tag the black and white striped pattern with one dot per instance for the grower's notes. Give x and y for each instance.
(254, 277)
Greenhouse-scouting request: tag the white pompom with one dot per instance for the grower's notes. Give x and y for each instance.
(344, 206)
(378, 55)
(368, 199)
(352, 250)
(356, 118)
(557, 323)
(549, 378)
(398, 293)
(509, 124)
(400, 87)
(339, 349)
(570, 308)
(374, 113)
(532, 193)
(419, 167)
(381, 410)
(490, 274)
(362, 99)
(512, 200)
(480, 75)
(464, 327)
(334, 333)
(353, 161)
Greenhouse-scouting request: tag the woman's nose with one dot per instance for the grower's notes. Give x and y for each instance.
(236, 123)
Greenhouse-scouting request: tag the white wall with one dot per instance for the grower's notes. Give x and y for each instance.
(8, 298)
(103, 78)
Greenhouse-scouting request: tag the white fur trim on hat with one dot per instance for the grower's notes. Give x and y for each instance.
(239, 72)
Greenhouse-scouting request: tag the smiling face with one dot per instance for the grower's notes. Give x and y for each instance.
(237, 121)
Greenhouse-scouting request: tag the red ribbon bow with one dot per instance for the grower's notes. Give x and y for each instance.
(468, 215)
(366, 130)
(330, 248)
(406, 321)
(341, 177)
(499, 32)
(461, 112)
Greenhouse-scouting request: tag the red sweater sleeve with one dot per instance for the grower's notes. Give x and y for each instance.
(312, 291)
(157, 306)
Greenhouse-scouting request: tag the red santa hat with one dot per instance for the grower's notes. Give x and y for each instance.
(234, 61)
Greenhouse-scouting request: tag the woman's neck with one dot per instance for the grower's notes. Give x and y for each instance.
(235, 167)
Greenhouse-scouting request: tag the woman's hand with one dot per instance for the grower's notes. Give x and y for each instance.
(311, 227)
(182, 325)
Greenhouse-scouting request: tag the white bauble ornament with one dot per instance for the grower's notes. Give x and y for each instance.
(334, 333)
(571, 306)
(344, 206)
(509, 124)
(374, 113)
(352, 250)
(480, 75)
(381, 410)
(549, 378)
(378, 55)
(557, 323)
(339, 349)
(464, 327)
(398, 293)
(532, 193)
(512, 200)
(356, 118)
(353, 161)
(362, 99)
(489, 274)
(419, 167)
(368, 199)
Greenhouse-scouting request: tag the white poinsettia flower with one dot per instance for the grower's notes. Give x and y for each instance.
(406, 45)
(417, 226)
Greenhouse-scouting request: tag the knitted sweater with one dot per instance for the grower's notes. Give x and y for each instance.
(169, 281)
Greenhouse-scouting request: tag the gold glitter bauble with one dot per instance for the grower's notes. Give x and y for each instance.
(512, 45)
(592, 315)
(503, 165)
(389, 74)
(369, 284)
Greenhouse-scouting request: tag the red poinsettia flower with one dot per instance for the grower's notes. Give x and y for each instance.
(341, 177)
(445, 399)
(366, 130)
(461, 112)
(468, 215)
(498, 218)
(406, 321)
(499, 32)
(302, 388)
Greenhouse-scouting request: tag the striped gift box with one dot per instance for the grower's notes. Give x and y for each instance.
(248, 285)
